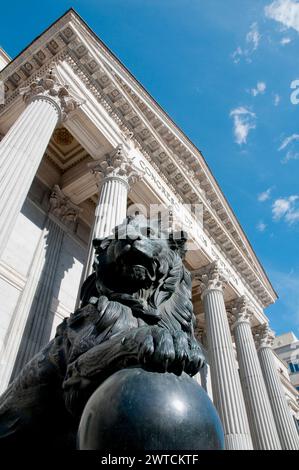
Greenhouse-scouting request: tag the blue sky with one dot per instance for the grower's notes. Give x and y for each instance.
(223, 71)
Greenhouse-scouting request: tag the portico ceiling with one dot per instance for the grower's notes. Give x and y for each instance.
(64, 150)
(142, 120)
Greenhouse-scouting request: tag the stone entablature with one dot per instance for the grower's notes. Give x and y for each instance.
(140, 119)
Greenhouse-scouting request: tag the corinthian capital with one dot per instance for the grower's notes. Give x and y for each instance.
(263, 336)
(62, 208)
(52, 89)
(210, 277)
(239, 310)
(117, 164)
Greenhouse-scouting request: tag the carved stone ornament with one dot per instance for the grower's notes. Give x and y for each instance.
(210, 277)
(51, 87)
(62, 136)
(239, 311)
(263, 336)
(62, 208)
(117, 164)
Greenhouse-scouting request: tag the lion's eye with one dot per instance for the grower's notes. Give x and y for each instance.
(147, 231)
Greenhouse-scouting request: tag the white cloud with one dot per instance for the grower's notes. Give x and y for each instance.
(252, 39)
(286, 209)
(288, 140)
(276, 100)
(253, 36)
(285, 41)
(237, 54)
(265, 195)
(260, 89)
(261, 226)
(244, 121)
(280, 208)
(285, 12)
(292, 153)
(290, 156)
(292, 216)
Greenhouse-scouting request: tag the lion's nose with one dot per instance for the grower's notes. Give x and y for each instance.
(134, 235)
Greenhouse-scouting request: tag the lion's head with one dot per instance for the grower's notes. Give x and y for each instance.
(141, 266)
(136, 257)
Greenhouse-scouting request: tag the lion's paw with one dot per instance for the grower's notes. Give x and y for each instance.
(161, 350)
(196, 360)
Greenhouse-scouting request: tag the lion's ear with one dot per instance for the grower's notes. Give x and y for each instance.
(100, 244)
(177, 241)
(96, 242)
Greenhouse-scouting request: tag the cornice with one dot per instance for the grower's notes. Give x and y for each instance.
(178, 161)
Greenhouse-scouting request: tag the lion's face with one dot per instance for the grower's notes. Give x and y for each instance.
(135, 258)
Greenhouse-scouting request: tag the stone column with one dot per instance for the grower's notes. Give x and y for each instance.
(32, 313)
(259, 412)
(22, 148)
(118, 174)
(9, 351)
(227, 391)
(285, 425)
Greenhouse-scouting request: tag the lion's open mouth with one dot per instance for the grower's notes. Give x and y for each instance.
(139, 262)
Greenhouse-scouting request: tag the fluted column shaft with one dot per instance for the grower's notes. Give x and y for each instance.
(22, 148)
(285, 425)
(16, 329)
(21, 152)
(227, 392)
(259, 412)
(33, 339)
(28, 330)
(110, 212)
(118, 174)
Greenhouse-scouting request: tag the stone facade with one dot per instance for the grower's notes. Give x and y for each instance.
(83, 143)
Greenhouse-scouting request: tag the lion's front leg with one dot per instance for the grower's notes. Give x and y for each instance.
(136, 346)
(152, 347)
(98, 360)
(90, 369)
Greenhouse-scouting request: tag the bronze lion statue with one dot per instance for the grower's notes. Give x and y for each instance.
(136, 310)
